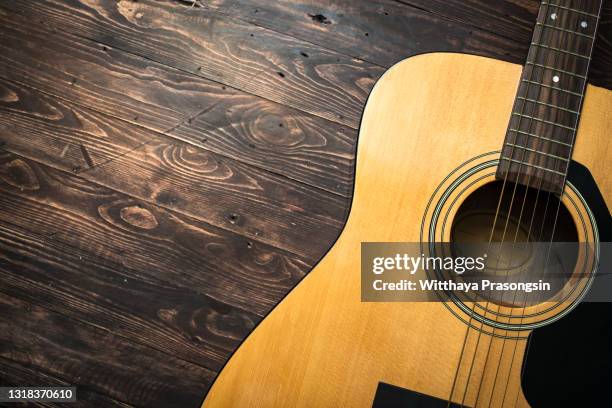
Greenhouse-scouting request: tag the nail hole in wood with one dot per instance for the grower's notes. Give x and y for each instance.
(319, 18)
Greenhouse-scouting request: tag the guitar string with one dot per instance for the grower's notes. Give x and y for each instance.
(549, 249)
(548, 255)
(497, 212)
(521, 321)
(528, 190)
(532, 218)
(540, 237)
(544, 271)
(469, 325)
(531, 223)
(584, 85)
(536, 50)
(522, 317)
(514, 241)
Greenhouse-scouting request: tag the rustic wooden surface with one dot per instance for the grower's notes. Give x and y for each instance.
(168, 172)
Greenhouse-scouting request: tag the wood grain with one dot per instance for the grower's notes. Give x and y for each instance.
(210, 115)
(513, 19)
(286, 141)
(176, 321)
(16, 375)
(202, 42)
(157, 244)
(94, 358)
(383, 32)
(172, 174)
(499, 29)
(97, 76)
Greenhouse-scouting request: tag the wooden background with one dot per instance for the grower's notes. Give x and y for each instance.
(168, 172)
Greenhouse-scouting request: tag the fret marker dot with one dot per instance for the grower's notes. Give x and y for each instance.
(556, 78)
(553, 16)
(584, 24)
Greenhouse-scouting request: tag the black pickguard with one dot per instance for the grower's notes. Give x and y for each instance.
(569, 363)
(390, 396)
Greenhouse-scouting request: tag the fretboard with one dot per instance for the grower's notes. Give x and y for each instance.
(540, 138)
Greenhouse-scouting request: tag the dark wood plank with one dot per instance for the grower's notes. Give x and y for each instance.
(173, 174)
(513, 19)
(286, 141)
(97, 76)
(13, 374)
(383, 32)
(601, 65)
(96, 359)
(176, 321)
(85, 138)
(306, 148)
(398, 29)
(205, 43)
(157, 244)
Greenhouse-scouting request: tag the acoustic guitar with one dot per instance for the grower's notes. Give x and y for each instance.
(451, 147)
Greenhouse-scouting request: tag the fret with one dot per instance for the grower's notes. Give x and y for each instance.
(553, 77)
(564, 61)
(552, 87)
(565, 30)
(532, 165)
(570, 9)
(542, 129)
(537, 151)
(535, 158)
(552, 95)
(575, 54)
(544, 114)
(561, 71)
(564, 34)
(548, 122)
(548, 139)
(548, 104)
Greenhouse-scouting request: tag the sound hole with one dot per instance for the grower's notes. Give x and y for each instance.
(520, 229)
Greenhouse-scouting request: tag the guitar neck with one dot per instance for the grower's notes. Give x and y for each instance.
(540, 138)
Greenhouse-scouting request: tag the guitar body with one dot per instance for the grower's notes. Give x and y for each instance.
(323, 347)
